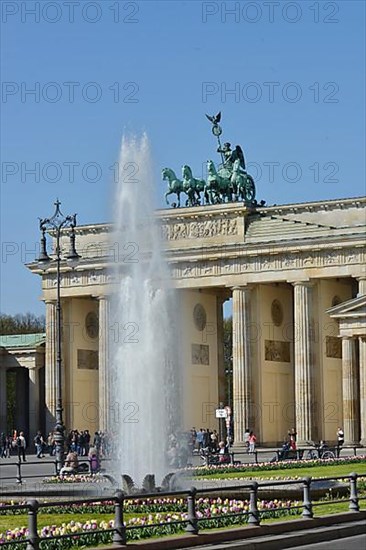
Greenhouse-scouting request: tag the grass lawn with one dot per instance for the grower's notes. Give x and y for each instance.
(312, 471)
(44, 519)
(12, 522)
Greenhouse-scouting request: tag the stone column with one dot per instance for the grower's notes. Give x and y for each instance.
(50, 366)
(304, 361)
(362, 362)
(361, 286)
(34, 421)
(350, 392)
(104, 398)
(362, 354)
(241, 363)
(3, 400)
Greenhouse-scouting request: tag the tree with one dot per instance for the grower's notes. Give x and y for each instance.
(228, 357)
(22, 323)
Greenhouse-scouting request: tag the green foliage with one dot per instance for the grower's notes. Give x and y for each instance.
(10, 400)
(22, 323)
(228, 356)
(228, 341)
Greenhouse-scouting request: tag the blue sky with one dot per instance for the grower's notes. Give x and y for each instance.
(287, 76)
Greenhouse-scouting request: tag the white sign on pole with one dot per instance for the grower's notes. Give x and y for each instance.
(221, 413)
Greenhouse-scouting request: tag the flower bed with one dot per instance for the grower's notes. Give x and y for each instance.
(268, 466)
(76, 478)
(212, 513)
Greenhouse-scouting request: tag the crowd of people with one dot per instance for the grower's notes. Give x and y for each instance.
(101, 445)
(204, 438)
(82, 443)
(13, 444)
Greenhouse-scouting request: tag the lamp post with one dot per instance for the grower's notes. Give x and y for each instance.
(55, 225)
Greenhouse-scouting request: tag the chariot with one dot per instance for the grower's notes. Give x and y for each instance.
(229, 182)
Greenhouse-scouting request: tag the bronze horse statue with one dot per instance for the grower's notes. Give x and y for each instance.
(242, 183)
(218, 188)
(192, 186)
(175, 185)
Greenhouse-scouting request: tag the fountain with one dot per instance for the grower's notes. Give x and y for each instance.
(145, 385)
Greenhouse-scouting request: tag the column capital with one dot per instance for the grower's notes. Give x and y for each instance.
(246, 287)
(306, 283)
(101, 297)
(361, 279)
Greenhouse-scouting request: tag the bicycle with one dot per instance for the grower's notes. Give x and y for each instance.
(322, 452)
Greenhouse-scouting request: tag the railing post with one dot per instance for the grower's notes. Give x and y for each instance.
(56, 470)
(256, 456)
(232, 459)
(19, 471)
(33, 538)
(192, 525)
(119, 536)
(308, 507)
(254, 518)
(353, 498)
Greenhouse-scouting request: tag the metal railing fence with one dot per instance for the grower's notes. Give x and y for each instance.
(192, 521)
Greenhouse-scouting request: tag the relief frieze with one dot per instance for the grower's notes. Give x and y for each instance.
(278, 351)
(200, 354)
(199, 229)
(274, 262)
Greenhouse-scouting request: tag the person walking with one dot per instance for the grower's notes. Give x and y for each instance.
(2, 445)
(252, 441)
(51, 444)
(340, 439)
(9, 445)
(38, 442)
(246, 438)
(200, 439)
(21, 446)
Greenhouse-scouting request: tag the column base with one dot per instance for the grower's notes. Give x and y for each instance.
(302, 443)
(363, 442)
(238, 447)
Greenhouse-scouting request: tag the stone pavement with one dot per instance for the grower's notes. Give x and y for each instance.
(341, 536)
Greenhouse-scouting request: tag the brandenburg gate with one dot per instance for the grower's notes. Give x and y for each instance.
(297, 280)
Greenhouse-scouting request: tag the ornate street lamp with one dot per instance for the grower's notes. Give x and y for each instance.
(55, 225)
